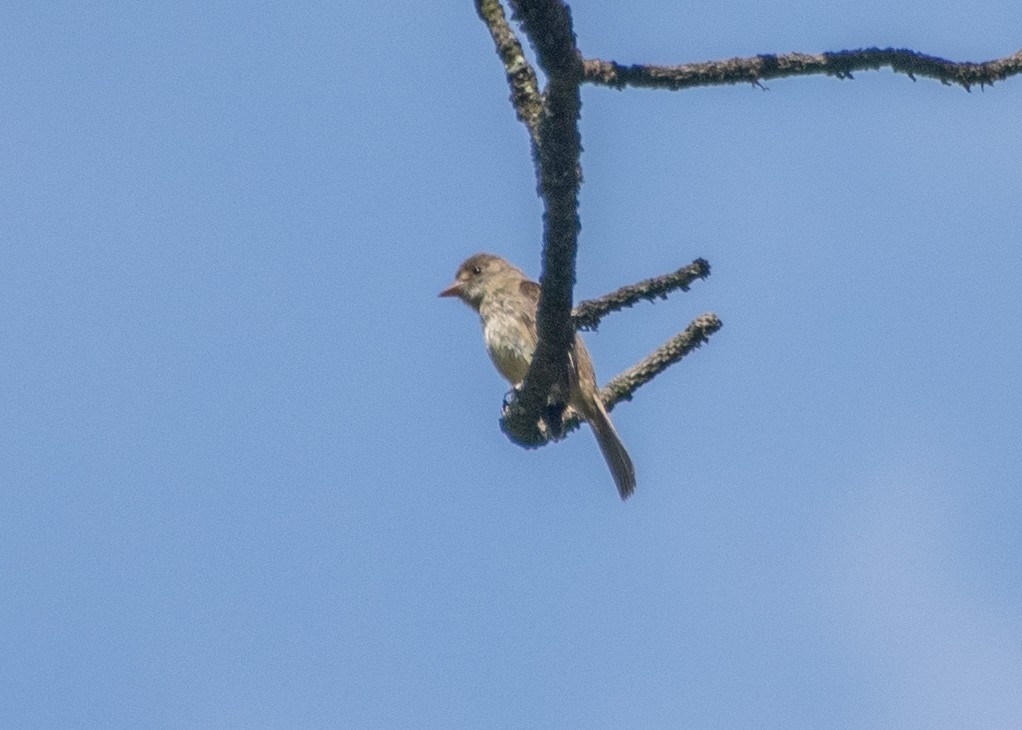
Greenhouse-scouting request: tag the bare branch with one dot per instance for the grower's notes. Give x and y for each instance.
(521, 78)
(548, 25)
(623, 386)
(551, 118)
(587, 314)
(765, 67)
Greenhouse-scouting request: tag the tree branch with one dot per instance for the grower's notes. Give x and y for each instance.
(521, 78)
(587, 314)
(551, 118)
(623, 386)
(765, 67)
(548, 25)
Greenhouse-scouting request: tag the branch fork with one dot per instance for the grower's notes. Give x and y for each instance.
(551, 119)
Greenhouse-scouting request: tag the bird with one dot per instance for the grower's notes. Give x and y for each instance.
(507, 302)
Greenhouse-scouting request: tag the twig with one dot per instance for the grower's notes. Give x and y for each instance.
(769, 66)
(587, 314)
(623, 386)
(521, 78)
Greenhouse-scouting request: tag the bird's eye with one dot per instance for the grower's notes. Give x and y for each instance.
(477, 270)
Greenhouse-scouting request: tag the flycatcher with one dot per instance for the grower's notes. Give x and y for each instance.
(507, 303)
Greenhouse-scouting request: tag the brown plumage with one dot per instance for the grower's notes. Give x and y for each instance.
(507, 302)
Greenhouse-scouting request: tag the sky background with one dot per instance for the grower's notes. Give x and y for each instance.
(251, 473)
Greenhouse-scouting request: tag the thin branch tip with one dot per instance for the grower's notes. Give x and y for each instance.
(587, 314)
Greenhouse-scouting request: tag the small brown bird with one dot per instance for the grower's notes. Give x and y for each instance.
(507, 302)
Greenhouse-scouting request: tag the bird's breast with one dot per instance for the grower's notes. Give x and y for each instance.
(509, 344)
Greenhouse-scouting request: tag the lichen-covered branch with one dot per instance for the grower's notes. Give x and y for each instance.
(770, 66)
(548, 25)
(551, 118)
(623, 386)
(521, 78)
(587, 314)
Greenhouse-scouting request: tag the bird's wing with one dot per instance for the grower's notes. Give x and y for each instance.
(530, 291)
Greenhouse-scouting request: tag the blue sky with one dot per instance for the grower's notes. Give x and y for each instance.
(251, 473)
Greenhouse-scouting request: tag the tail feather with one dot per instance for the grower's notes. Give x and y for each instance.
(613, 450)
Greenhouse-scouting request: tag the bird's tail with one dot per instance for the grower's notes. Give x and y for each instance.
(613, 450)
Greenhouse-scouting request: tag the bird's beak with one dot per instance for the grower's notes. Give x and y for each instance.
(454, 290)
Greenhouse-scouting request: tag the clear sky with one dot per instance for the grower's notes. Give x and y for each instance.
(250, 467)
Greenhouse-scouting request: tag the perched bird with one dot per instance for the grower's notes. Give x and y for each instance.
(507, 302)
